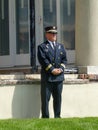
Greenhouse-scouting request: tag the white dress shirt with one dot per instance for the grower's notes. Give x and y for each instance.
(51, 43)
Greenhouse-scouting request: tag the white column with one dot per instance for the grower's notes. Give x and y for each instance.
(87, 35)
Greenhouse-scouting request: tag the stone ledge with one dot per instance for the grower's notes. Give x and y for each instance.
(18, 82)
(20, 76)
(76, 81)
(91, 77)
(16, 79)
(31, 76)
(37, 81)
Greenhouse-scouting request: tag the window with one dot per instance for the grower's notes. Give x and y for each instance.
(67, 17)
(22, 27)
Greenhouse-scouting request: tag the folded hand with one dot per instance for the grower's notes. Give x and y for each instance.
(56, 71)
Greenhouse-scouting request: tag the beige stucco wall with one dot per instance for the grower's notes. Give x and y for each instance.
(23, 101)
(20, 101)
(87, 32)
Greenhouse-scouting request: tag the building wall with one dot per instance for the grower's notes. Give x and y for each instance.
(23, 42)
(23, 101)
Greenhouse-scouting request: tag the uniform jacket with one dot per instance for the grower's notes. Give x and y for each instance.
(49, 59)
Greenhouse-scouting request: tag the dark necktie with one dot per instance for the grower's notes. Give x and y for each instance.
(53, 43)
(54, 48)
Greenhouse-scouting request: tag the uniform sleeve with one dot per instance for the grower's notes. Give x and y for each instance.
(43, 60)
(64, 59)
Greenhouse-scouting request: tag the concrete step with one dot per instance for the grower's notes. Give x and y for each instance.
(21, 76)
(35, 78)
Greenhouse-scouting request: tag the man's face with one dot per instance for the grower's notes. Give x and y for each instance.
(51, 36)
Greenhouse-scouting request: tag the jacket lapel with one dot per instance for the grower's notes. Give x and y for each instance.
(56, 50)
(50, 48)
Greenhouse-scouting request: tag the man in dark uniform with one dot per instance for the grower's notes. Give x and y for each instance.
(52, 57)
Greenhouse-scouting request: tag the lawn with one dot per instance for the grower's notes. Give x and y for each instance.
(50, 124)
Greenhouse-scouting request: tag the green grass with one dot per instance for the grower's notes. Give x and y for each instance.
(50, 124)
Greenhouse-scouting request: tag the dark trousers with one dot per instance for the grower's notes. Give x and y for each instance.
(48, 89)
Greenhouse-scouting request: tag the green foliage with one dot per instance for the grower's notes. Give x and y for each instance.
(50, 124)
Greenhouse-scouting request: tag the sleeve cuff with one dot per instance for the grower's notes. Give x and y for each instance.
(49, 68)
(63, 66)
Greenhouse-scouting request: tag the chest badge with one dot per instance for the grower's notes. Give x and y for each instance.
(61, 53)
(46, 48)
(59, 47)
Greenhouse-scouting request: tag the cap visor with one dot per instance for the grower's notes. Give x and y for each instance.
(51, 31)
